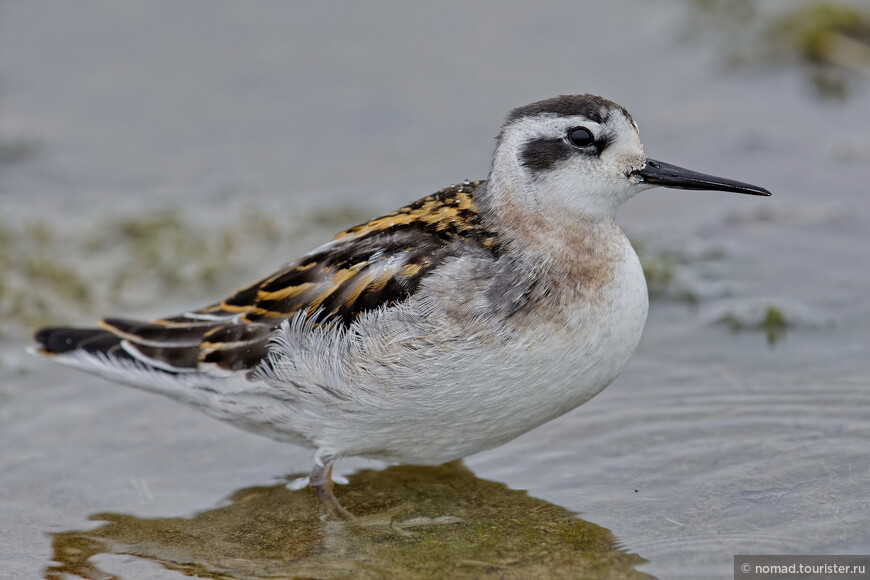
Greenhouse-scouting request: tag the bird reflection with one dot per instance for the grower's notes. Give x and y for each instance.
(455, 525)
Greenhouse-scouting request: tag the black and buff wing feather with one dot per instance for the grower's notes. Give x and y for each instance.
(373, 265)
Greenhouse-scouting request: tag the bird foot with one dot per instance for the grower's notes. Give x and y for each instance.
(303, 482)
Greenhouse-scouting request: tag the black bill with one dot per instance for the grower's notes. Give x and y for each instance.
(667, 175)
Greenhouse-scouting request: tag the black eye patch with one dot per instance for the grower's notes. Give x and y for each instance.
(543, 154)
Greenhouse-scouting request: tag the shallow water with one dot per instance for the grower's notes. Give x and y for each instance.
(711, 443)
(269, 531)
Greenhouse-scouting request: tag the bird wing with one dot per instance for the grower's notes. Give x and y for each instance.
(370, 266)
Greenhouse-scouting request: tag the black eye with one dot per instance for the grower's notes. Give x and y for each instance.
(580, 137)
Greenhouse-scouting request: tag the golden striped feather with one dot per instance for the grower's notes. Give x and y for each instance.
(372, 265)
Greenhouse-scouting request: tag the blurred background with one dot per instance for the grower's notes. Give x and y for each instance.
(155, 156)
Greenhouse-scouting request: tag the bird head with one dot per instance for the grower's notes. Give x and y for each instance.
(581, 155)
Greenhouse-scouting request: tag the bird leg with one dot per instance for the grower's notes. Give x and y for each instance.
(321, 484)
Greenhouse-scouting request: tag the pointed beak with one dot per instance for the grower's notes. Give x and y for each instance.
(667, 175)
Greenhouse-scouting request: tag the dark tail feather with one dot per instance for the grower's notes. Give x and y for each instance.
(169, 347)
(103, 353)
(92, 340)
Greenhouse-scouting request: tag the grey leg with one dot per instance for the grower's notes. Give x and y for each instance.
(321, 484)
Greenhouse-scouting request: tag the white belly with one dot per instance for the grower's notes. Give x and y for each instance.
(453, 396)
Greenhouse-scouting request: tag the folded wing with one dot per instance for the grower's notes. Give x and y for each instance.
(373, 265)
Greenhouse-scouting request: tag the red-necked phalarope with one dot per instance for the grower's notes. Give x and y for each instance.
(447, 327)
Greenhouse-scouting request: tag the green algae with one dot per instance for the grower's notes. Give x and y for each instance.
(37, 285)
(271, 532)
(813, 31)
(773, 322)
(664, 271)
(659, 273)
(829, 40)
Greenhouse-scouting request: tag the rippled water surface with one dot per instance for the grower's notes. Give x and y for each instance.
(718, 438)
